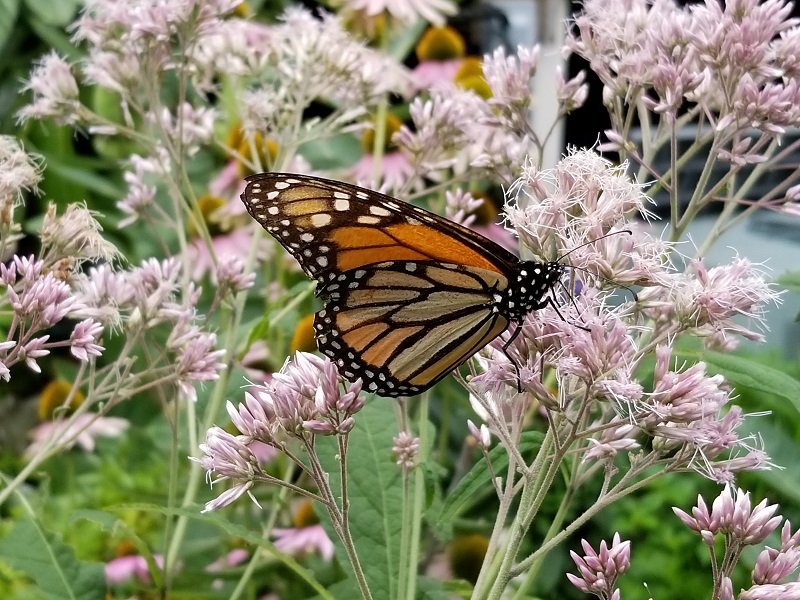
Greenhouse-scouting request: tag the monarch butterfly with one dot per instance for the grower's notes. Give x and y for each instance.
(409, 295)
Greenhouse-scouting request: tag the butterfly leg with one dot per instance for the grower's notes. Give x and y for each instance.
(512, 337)
(552, 303)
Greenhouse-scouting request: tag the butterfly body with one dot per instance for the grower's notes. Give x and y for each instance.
(409, 295)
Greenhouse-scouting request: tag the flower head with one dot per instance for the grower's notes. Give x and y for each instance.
(75, 234)
(82, 430)
(599, 570)
(406, 11)
(510, 80)
(732, 514)
(406, 448)
(55, 92)
(84, 340)
(19, 171)
(297, 541)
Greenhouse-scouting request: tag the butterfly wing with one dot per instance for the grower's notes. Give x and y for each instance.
(402, 326)
(409, 295)
(331, 227)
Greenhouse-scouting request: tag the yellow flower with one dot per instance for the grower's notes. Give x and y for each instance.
(53, 396)
(466, 555)
(305, 516)
(303, 338)
(267, 151)
(470, 77)
(393, 125)
(441, 43)
(208, 205)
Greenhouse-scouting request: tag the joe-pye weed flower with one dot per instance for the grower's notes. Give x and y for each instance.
(600, 375)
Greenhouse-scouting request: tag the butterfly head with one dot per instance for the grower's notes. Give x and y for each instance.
(530, 287)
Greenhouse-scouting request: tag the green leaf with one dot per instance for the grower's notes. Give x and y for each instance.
(110, 522)
(790, 281)
(476, 484)
(332, 153)
(58, 13)
(374, 484)
(9, 10)
(758, 376)
(236, 530)
(85, 178)
(784, 453)
(344, 590)
(43, 557)
(432, 589)
(55, 38)
(259, 331)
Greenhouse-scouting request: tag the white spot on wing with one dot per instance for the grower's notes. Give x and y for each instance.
(320, 220)
(379, 211)
(282, 185)
(273, 210)
(342, 204)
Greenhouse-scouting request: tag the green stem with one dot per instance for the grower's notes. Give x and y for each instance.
(379, 141)
(555, 526)
(256, 559)
(528, 562)
(405, 534)
(696, 203)
(492, 562)
(419, 497)
(532, 498)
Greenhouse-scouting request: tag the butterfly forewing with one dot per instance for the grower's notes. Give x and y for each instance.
(331, 227)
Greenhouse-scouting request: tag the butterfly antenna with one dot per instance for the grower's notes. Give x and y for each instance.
(607, 280)
(572, 300)
(602, 237)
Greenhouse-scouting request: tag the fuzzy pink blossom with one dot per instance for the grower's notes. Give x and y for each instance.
(55, 92)
(81, 431)
(84, 338)
(297, 541)
(510, 80)
(406, 449)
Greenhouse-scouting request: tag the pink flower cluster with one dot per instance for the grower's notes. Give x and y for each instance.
(306, 398)
(598, 350)
(735, 520)
(40, 300)
(600, 569)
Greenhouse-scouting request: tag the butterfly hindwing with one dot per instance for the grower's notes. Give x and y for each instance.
(404, 325)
